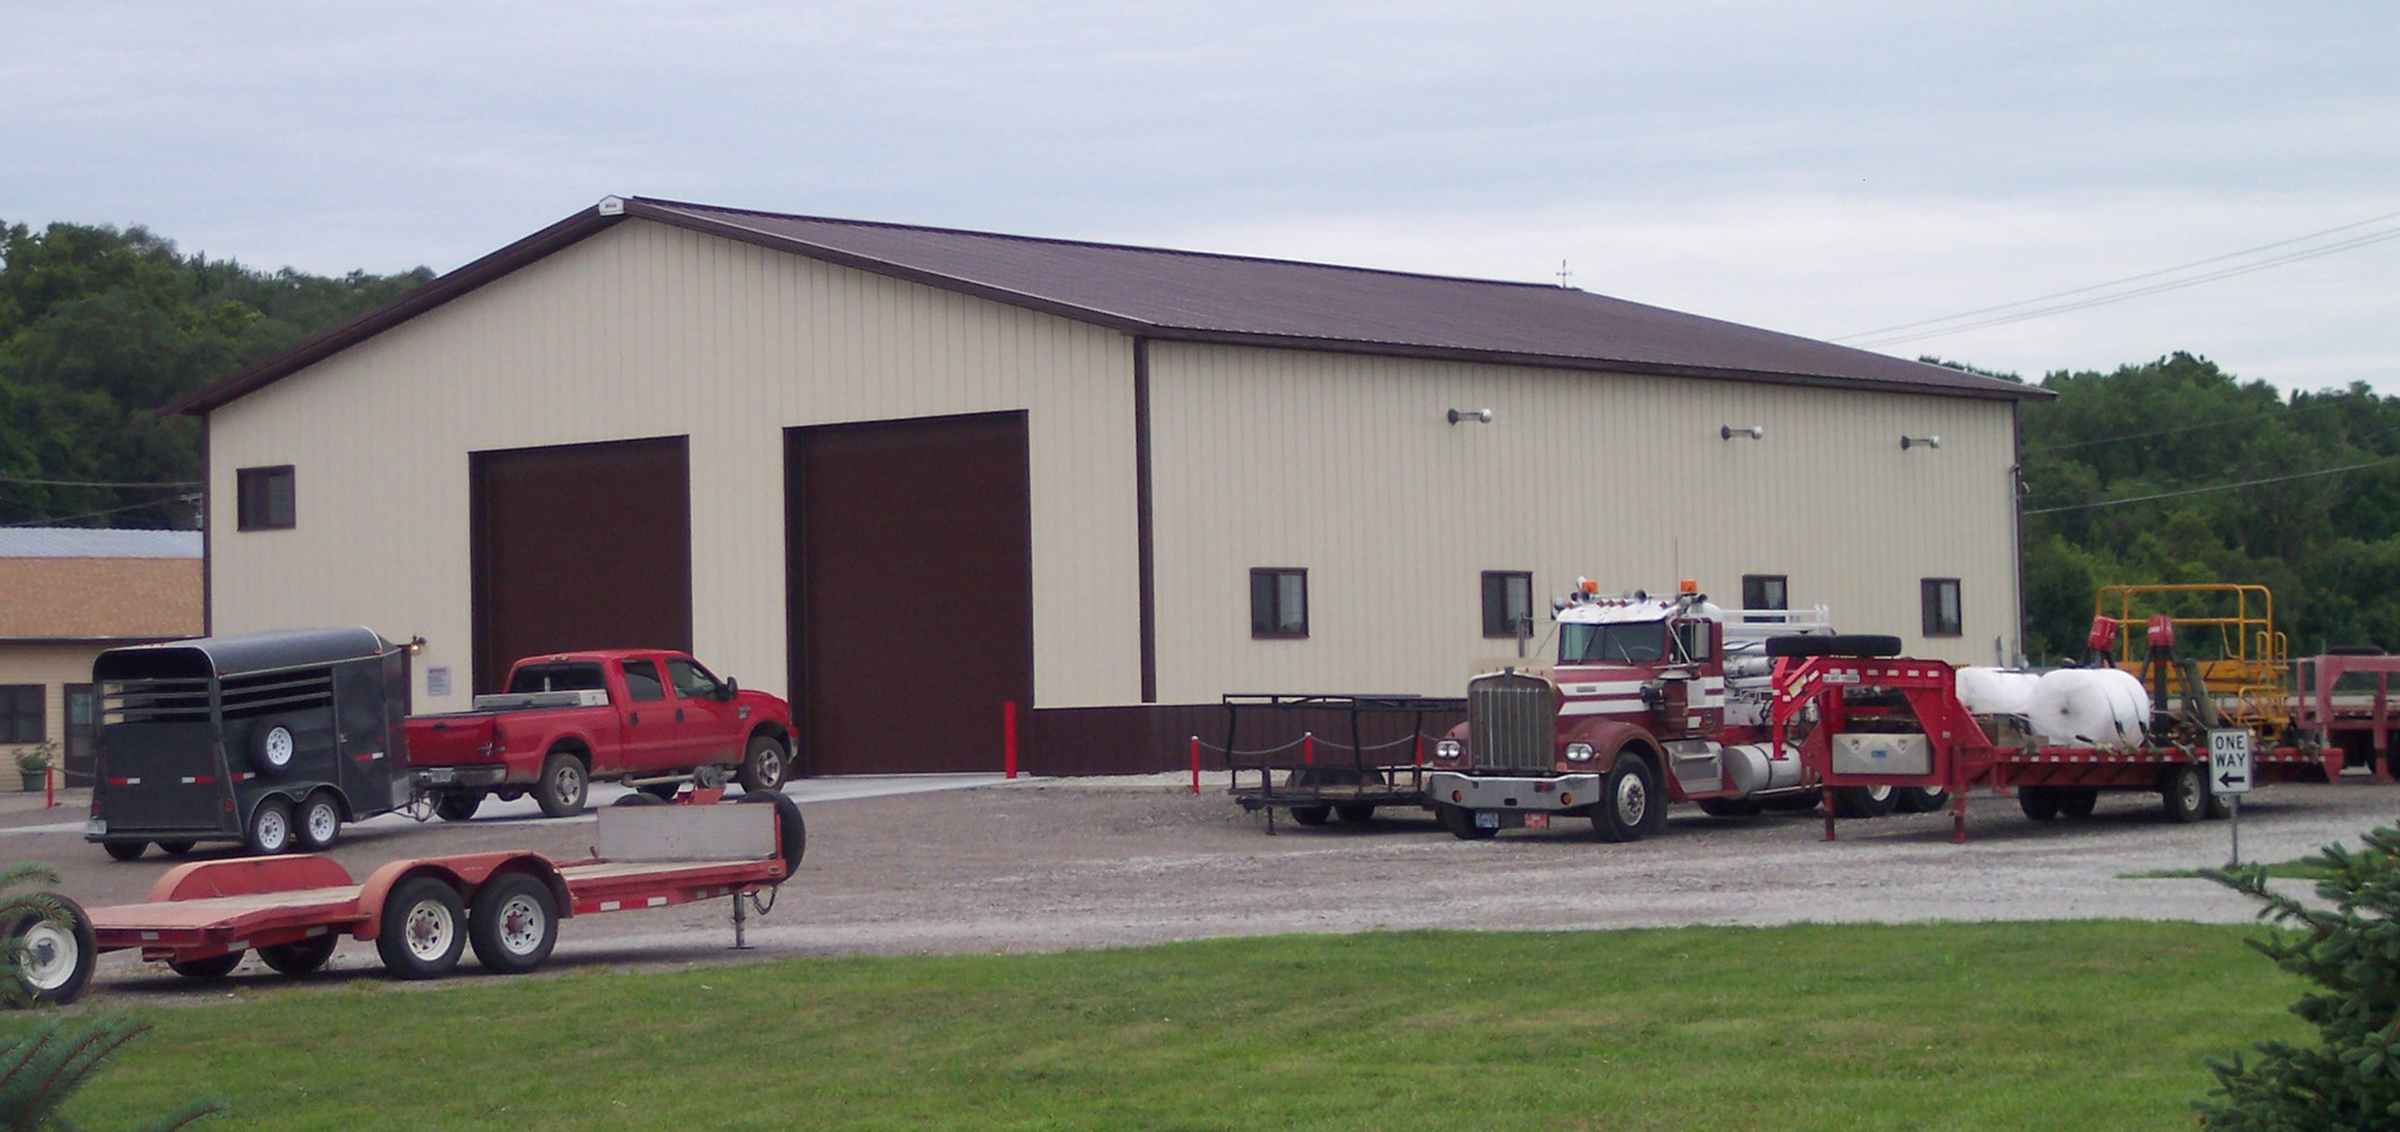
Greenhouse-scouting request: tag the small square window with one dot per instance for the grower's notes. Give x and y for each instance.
(1765, 591)
(265, 500)
(1941, 607)
(1278, 602)
(21, 713)
(1507, 602)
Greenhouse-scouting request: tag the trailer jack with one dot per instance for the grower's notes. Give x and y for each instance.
(761, 899)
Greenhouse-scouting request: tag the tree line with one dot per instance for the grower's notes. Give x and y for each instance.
(2168, 471)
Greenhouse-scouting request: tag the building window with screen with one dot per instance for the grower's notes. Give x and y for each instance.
(1507, 602)
(264, 498)
(1278, 602)
(21, 713)
(1941, 607)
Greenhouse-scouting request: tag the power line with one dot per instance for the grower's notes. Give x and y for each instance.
(2140, 292)
(54, 520)
(2135, 436)
(98, 483)
(2213, 487)
(2127, 279)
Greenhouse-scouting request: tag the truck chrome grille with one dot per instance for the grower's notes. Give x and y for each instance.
(1512, 723)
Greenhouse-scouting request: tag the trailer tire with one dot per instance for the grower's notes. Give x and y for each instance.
(274, 746)
(1630, 807)
(1839, 644)
(124, 850)
(423, 929)
(2215, 808)
(59, 957)
(299, 957)
(207, 970)
(563, 787)
(1731, 807)
(270, 829)
(514, 924)
(656, 791)
(319, 822)
(176, 848)
(1922, 800)
(457, 805)
(1312, 815)
(764, 765)
(791, 832)
(2184, 794)
(1864, 802)
(2041, 803)
(1355, 813)
(1460, 821)
(2078, 802)
(639, 798)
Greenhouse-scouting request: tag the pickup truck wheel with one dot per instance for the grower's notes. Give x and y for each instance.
(1627, 798)
(421, 936)
(58, 957)
(320, 822)
(514, 924)
(563, 785)
(763, 765)
(125, 850)
(2184, 793)
(1460, 821)
(299, 957)
(213, 967)
(790, 831)
(457, 805)
(271, 827)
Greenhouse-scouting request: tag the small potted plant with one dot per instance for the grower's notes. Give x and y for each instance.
(33, 765)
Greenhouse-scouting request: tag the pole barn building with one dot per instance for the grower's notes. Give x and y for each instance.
(907, 476)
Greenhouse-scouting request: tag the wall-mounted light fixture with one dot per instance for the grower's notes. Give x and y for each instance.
(1908, 442)
(1728, 432)
(1479, 416)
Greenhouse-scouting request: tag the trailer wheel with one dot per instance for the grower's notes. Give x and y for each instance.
(176, 848)
(457, 805)
(514, 924)
(1355, 813)
(58, 957)
(320, 822)
(271, 827)
(209, 969)
(273, 747)
(1460, 821)
(790, 831)
(2185, 794)
(125, 850)
(639, 798)
(563, 785)
(1312, 815)
(2078, 801)
(656, 791)
(2039, 802)
(1923, 800)
(420, 936)
(1630, 805)
(2215, 808)
(763, 765)
(1864, 801)
(1730, 807)
(299, 957)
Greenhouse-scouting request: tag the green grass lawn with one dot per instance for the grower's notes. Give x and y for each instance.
(2003, 1026)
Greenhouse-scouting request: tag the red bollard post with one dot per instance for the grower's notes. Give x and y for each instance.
(1308, 747)
(1008, 735)
(1195, 764)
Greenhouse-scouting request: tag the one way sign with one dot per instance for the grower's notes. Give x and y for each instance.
(2229, 761)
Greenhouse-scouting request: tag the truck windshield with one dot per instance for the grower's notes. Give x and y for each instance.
(1641, 642)
(568, 676)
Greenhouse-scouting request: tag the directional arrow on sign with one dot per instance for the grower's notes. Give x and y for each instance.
(2226, 780)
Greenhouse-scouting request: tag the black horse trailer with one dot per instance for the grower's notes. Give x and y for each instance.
(269, 739)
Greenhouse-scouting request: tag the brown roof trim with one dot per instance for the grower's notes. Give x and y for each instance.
(268, 370)
(110, 642)
(589, 221)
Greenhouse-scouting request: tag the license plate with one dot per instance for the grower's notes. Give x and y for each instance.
(440, 775)
(1487, 819)
(1537, 821)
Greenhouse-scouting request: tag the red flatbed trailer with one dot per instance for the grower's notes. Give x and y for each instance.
(423, 912)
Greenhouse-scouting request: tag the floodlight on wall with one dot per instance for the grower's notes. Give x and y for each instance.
(1908, 442)
(1754, 432)
(1479, 416)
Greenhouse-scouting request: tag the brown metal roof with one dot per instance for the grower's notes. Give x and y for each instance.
(53, 599)
(1197, 296)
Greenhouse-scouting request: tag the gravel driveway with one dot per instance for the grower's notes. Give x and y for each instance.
(1056, 864)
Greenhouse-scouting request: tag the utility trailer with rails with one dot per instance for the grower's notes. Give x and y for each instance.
(422, 913)
(1315, 779)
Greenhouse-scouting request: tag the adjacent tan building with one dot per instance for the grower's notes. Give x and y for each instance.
(908, 476)
(66, 594)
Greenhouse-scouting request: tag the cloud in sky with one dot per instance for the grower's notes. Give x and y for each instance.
(1824, 169)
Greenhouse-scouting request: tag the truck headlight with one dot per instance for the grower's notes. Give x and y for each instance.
(1579, 752)
(1446, 749)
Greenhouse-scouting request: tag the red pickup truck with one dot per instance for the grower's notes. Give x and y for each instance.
(571, 718)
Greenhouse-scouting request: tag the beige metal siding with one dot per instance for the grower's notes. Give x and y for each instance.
(648, 330)
(1346, 465)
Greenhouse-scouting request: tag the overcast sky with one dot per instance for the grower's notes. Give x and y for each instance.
(1828, 169)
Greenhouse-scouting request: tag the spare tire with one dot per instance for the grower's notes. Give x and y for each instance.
(274, 746)
(792, 832)
(1840, 644)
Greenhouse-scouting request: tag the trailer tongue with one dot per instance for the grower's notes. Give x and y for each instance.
(422, 913)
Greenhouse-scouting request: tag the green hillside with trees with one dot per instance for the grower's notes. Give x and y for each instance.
(2167, 471)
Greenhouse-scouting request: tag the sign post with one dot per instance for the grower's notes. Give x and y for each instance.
(2229, 775)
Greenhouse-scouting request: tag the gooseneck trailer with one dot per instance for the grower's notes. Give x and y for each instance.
(424, 913)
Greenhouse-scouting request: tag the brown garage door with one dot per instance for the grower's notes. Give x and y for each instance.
(583, 546)
(911, 586)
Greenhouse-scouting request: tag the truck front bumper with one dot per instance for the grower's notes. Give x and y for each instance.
(1554, 793)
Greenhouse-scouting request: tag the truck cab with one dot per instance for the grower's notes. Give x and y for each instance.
(1643, 706)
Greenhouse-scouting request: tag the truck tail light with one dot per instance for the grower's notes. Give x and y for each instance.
(499, 737)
